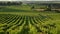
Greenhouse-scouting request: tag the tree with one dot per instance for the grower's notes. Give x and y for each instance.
(20, 3)
(32, 7)
(8, 3)
(49, 7)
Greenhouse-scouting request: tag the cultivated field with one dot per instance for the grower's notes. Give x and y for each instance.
(23, 20)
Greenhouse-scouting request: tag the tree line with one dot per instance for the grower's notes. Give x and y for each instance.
(10, 3)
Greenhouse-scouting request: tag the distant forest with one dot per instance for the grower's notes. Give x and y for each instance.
(10, 3)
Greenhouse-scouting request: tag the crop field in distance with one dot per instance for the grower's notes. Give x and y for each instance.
(27, 19)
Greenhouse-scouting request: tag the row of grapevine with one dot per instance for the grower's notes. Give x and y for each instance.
(15, 22)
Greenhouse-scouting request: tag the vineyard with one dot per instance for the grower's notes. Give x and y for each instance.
(24, 20)
(18, 24)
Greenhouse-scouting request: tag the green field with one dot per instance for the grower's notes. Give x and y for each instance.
(23, 20)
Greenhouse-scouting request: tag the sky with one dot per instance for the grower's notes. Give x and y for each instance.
(29, 0)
